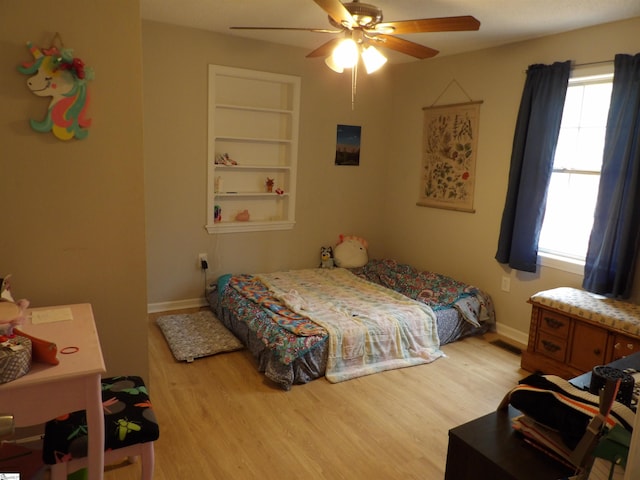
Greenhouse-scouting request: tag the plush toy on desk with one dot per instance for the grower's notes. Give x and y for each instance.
(15, 350)
(11, 312)
(326, 257)
(351, 252)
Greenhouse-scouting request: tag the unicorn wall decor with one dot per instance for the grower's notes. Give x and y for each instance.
(57, 74)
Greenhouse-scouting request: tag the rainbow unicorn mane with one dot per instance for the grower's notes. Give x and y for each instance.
(59, 75)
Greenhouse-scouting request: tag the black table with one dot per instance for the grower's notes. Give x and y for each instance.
(631, 361)
(488, 449)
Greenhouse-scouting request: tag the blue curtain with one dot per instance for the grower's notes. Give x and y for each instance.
(534, 146)
(613, 245)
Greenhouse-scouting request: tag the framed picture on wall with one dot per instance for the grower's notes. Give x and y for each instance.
(450, 139)
(348, 145)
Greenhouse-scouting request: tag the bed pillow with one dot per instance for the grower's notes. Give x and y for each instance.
(223, 281)
(351, 252)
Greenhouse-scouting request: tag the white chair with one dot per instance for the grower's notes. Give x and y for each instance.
(130, 430)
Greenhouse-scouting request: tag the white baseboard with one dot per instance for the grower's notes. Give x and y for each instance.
(512, 333)
(176, 305)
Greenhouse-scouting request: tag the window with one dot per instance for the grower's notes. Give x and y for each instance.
(573, 188)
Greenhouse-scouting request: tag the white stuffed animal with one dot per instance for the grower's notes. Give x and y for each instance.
(351, 252)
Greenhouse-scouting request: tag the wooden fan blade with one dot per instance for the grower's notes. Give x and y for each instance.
(325, 49)
(338, 12)
(444, 24)
(314, 30)
(405, 46)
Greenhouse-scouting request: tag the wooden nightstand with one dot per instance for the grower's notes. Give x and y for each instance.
(489, 448)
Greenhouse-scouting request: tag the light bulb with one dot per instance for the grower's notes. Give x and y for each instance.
(345, 55)
(372, 59)
(331, 63)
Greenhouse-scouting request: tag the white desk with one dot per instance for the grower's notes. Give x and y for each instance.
(49, 391)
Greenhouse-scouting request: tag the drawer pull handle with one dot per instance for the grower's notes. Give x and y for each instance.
(630, 346)
(618, 346)
(597, 351)
(550, 346)
(553, 323)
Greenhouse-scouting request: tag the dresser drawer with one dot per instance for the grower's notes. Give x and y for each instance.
(589, 347)
(554, 323)
(624, 345)
(551, 346)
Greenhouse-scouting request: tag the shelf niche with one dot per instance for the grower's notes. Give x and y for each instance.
(253, 117)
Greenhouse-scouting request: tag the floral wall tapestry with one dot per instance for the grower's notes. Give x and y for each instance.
(450, 138)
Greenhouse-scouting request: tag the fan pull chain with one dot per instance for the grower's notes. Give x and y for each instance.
(354, 81)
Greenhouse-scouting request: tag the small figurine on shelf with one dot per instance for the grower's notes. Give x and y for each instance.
(224, 159)
(269, 184)
(279, 191)
(243, 216)
(217, 214)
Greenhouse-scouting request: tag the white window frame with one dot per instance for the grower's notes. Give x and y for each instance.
(547, 258)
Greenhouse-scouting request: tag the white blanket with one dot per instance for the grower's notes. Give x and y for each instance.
(371, 328)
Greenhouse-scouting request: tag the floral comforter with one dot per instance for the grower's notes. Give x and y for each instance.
(371, 328)
(436, 290)
(291, 336)
(280, 336)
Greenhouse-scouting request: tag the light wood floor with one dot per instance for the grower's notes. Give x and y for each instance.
(220, 419)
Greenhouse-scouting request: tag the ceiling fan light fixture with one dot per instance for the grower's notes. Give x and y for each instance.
(345, 55)
(372, 58)
(385, 29)
(361, 15)
(330, 62)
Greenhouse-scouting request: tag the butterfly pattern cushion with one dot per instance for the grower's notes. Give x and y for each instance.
(128, 420)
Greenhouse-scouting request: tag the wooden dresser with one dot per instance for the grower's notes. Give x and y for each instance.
(573, 330)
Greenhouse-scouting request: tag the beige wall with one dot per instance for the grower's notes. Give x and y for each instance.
(377, 199)
(463, 245)
(72, 211)
(330, 199)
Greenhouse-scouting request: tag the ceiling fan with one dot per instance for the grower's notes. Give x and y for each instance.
(363, 23)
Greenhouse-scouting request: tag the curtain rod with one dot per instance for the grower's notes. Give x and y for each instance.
(589, 64)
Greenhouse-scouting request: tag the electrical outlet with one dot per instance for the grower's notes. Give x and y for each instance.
(202, 260)
(506, 284)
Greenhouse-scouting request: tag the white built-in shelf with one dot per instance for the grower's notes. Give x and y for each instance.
(253, 117)
(221, 167)
(251, 194)
(255, 109)
(254, 140)
(251, 226)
